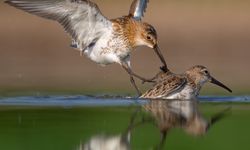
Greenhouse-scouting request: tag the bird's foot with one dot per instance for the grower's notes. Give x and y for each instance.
(164, 69)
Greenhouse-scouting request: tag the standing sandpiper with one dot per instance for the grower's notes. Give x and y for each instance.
(182, 86)
(103, 40)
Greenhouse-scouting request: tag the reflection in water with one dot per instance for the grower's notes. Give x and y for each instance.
(166, 114)
(105, 142)
(182, 114)
(116, 142)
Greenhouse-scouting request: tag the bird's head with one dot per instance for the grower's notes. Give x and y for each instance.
(146, 35)
(200, 75)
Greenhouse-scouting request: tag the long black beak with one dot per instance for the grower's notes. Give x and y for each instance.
(158, 52)
(214, 81)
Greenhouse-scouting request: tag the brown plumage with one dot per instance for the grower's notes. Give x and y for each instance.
(136, 33)
(181, 86)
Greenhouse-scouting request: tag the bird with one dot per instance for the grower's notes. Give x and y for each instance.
(105, 41)
(183, 114)
(181, 86)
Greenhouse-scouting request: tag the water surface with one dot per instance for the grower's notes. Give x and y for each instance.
(98, 100)
(72, 122)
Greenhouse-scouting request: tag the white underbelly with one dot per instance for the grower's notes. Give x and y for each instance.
(185, 93)
(104, 59)
(105, 52)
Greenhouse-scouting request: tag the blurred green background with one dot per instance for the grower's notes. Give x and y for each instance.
(35, 56)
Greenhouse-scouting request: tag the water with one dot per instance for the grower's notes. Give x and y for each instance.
(71, 101)
(81, 122)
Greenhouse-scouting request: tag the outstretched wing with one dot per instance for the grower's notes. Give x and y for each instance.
(82, 19)
(165, 88)
(137, 9)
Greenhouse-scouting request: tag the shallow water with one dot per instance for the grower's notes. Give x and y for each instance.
(71, 101)
(78, 122)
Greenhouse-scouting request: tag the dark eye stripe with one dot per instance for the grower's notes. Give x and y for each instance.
(151, 31)
(153, 34)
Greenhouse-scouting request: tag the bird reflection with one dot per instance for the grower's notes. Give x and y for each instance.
(182, 114)
(105, 142)
(113, 142)
(166, 115)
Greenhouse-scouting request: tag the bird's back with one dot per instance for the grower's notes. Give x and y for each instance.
(167, 85)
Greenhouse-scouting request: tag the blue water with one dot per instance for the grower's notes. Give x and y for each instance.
(71, 101)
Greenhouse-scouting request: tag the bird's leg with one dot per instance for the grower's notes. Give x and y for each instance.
(135, 86)
(128, 69)
(81, 53)
(132, 79)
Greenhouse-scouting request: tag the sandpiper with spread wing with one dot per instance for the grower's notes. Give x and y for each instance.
(103, 40)
(181, 86)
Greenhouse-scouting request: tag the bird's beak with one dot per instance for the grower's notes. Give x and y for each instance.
(158, 52)
(214, 81)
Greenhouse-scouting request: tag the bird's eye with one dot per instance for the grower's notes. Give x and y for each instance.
(148, 37)
(206, 72)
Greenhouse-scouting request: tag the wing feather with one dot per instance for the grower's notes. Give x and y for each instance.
(165, 87)
(82, 19)
(137, 9)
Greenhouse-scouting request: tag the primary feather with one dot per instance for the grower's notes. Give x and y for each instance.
(138, 8)
(82, 19)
